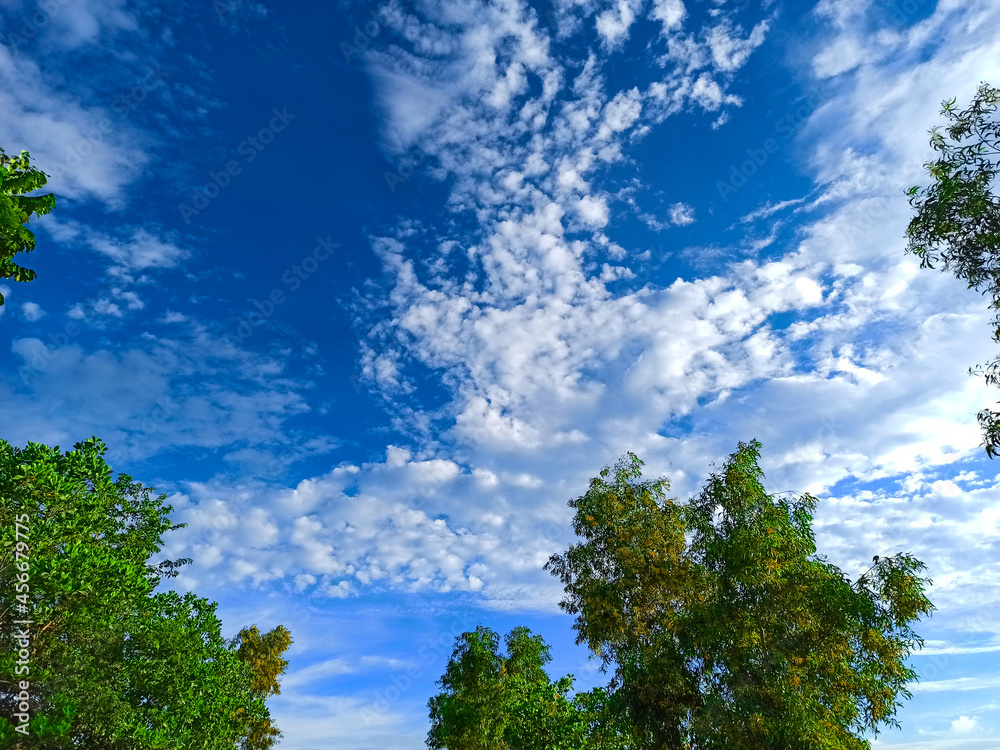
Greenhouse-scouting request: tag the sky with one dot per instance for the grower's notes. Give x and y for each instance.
(371, 291)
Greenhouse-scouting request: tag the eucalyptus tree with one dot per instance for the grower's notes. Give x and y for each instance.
(725, 629)
(958, 215)
(495, 702)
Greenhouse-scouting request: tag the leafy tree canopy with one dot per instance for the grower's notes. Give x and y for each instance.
(18, 177)
(958, 215)
(725, 628)
(112, 665)
(500, 702)
(263, 654)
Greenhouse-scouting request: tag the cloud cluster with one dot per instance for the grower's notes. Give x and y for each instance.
(553, 376)
(181, 388)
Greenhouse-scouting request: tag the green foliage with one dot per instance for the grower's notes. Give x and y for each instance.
(263, 654)
(727, 631)
(18, 177)
(113, 665)
(958, 216)
(508, 703)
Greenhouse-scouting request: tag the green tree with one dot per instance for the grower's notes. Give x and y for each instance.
(18, 177)
(492, 702)
(958, 215)
(263, 654)
(725, 629)
(112, 666)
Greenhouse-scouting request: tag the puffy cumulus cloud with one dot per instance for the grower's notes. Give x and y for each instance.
(964, 725)
(494, 110)
(670, 13)
(681, 214)
(729, 51)
(620, 113)
(554, 376)
(593, 211)
(404, 522)
(707, 93)
(424, 523)
(613, 24)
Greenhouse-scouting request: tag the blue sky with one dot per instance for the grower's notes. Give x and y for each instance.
(372, 290)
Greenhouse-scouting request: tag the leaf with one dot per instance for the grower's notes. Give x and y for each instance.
(128, 662)
(17, 179)
(957, 219)
(706, 636)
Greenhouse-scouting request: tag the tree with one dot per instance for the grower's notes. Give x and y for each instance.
(263, 654)
(727, 631)
(112, 666)
(958, 216)
(508, 703)
(18, 177)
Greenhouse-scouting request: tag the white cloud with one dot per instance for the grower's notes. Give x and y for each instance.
(841, 12)
(139, 252)
(56, 129)
(845, 54)
(681, 214)
(539, 351)
(708, 93)
(959, 683)
(593, 211)
(192, 390)
(409, 106)
(620, 113)
(613, 24)
(769, 209)
(670, 13)
(315, 672)
(32, 311)
(73, 25)
(551, 376)
(729, 51)
(963, 725)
